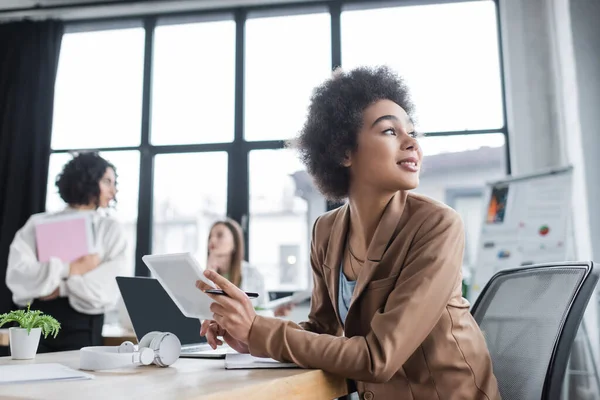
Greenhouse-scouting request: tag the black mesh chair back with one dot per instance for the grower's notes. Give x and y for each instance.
(529, 317)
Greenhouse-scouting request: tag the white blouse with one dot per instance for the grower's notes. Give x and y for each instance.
(92, 293)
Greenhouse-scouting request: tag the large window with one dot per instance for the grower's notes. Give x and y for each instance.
(190, 193)
(194, 111)
(284, 61)
(448, 54)
(98, 95)
(279, 219)
(98, 104)
(193, 83)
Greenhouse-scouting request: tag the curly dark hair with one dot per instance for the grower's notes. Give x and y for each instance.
(78, 183)
(335, 116)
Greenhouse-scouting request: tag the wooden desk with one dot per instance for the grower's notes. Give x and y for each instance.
(186, 379)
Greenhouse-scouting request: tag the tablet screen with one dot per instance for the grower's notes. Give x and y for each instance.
(178, 273)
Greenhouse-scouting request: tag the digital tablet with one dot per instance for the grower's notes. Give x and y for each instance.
(177, 274)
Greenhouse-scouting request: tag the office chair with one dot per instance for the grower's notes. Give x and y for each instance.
(530, 317)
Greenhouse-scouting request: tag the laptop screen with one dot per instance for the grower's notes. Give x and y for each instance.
(151, 309)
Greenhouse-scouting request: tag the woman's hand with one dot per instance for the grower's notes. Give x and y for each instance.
(51, 296)
(232, 312)
(84, 264)
(212, 330)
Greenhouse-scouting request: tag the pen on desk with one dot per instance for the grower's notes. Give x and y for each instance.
(251, 295)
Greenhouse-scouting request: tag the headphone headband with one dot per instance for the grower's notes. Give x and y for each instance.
(162, 349)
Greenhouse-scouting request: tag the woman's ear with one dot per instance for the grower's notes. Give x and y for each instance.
(347, 160)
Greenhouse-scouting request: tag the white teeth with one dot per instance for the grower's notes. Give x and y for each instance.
(414, 164)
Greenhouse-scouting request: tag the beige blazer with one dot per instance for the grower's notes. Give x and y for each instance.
(409, 333)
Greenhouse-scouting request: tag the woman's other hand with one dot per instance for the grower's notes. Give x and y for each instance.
(213, 331)
(51, 296)
(84, 264)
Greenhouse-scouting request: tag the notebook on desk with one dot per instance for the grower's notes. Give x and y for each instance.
(151, 309)
(247, 361)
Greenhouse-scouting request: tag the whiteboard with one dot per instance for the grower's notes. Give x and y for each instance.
(526, 220)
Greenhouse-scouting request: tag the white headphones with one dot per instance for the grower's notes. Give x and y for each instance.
(159, 348)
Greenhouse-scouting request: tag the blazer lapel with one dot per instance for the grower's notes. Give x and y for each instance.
(381, 239)
(333, 258)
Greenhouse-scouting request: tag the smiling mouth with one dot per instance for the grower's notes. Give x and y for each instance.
(409, 165)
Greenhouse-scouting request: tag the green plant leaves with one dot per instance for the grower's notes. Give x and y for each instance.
(32, 319)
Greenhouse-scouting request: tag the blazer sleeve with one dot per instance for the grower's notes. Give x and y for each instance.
(97, 290)
(26, 277)
(322, 317)
(422, 292)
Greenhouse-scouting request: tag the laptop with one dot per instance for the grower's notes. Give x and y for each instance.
(151, 309)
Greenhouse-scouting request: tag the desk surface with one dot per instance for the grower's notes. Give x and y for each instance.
(186, 379)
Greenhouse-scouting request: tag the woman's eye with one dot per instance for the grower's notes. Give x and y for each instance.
(413, 135)
(390, 131)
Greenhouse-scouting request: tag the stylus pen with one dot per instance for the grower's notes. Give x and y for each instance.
(222, 293)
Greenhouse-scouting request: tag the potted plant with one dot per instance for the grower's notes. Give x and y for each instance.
(25, 338)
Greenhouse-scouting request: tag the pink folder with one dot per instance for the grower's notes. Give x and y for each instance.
(66, 237)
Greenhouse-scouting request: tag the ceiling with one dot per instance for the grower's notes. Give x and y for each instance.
(85, 9)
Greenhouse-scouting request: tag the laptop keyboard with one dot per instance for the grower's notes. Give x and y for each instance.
(195, 348)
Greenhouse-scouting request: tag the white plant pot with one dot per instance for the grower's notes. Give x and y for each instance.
(24, 346)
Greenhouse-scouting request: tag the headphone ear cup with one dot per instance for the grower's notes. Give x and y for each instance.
(146, 356)
(126, 347)
(167, 349)
(147, 339)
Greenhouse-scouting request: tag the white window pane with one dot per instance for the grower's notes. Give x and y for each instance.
(433, 145)
(286, 57)
(193, 83)
(283, 206)
(448, 54)
(463, 161)
(98, 95)
(127, 164)
(190, 193)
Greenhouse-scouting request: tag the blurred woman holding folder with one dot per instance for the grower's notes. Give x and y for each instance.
(65, 263)
(387, 310)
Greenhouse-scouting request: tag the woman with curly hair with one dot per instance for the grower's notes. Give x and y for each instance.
(76, 293)
(387, 310)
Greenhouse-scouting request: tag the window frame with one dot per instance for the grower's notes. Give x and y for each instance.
(238, 150)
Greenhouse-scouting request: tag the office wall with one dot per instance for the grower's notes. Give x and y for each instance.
(586, 46)
(552, 75)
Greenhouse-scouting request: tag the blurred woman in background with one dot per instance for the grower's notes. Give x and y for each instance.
(226, 257)
(76, 293)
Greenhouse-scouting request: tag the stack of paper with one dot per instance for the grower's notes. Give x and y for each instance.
(247, 361)
(23, 373)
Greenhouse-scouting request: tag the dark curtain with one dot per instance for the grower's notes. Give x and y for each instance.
(29, 54)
